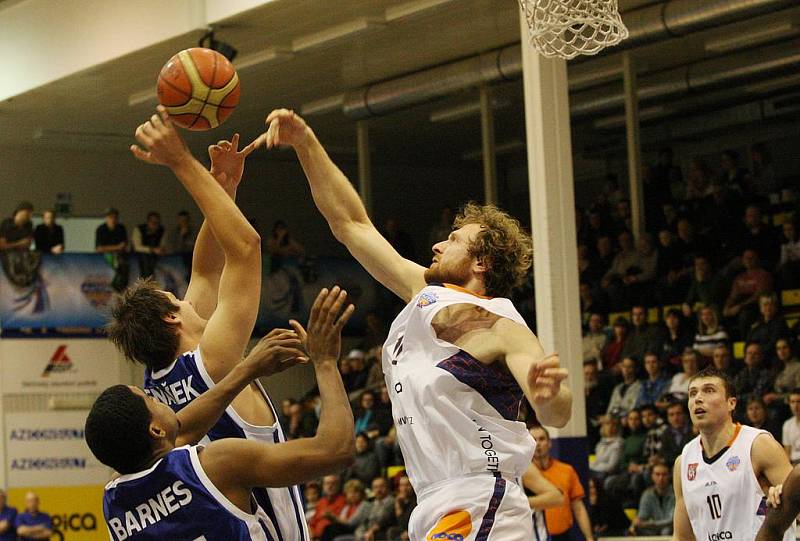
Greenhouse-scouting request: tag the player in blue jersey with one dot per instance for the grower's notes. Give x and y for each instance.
(205, 492)
(189, 345)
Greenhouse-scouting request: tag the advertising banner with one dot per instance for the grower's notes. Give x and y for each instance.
(77, 511)
(47, 366)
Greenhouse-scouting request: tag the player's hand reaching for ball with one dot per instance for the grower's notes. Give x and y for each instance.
(162, 143)
(323, 340)
(227, 162)
(545, 377)
(284, 127)
(277, 351)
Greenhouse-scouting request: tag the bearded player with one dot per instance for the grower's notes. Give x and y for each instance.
(723, 475)
(459, 359)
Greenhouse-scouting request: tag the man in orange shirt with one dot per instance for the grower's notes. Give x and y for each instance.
(332, 502)
(560, 519)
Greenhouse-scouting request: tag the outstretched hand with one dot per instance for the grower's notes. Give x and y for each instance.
(227, 161)
(545, 377)
(277, 351)
(163, 145)
(284, 127)
(323, 340)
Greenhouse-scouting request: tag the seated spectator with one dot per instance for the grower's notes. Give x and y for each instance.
(704, 288)
(757, 417)
(769, 327)
(381, 513)
(670, 268)
(759, 236)
(754, 379)
(787, 379)
(388, 450)
(688, 245)
(605, 254)
(673, 340)
(311, 494)
(48, 235)
(698, 180)
(742, 302)
(111, 239)
(789, 268)
(8, 519)
(633, 459)
(654, 426)
(762, 181)
(149, 242)
(589, 272)
(656, 506)
(605, 514)
(366, 466)
(16, 233)
(710, 333)
(182, 239)
(370, 420)
(355, 511)
(791, 428)
(732, 175)
(358, 369)
(597, 386)
(625, 263)
(608, 451)
(640, 280)
(331, 503)
(677, 434)
(592, 301)
(679, 387)
(595, 338)
(32, 524)
(656, 383)
(625, 394)
(612, 353)
(404, 503)
(302, 423)
(722, 359)
(642, 336)
(281, 244)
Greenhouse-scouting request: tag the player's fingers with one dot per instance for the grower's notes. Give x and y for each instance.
(557, 373)
(142, 137)
(235, 142)
(213, 151)
(328, 314)
(275, 113)
(225, 145)
(246, 151)
(259, 141)
(345, 317)
(317, 307)
(155, 120)
(141, 154)
(162, 112)
(298, 328)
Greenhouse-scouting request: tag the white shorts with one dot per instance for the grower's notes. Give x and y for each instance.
(479, 507)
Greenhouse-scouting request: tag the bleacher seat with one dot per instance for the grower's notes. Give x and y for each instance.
(738, 350)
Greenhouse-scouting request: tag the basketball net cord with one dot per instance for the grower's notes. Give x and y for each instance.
(568, 28)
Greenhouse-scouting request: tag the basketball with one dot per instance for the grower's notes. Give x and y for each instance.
(199, 87)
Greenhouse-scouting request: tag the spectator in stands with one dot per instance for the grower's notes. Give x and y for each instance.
(704, 287)
(626, 262)
(357, 370)
(388, 449)
(789, 269)
(698, 180)
(597, 387)
(656, 383)
(332, 502)
(625, 394)
(655, 426)
(754, 379)
(608, 451)
(33, 524)
(404, 503)
(366, 467)
(673, 340)
(633, 453)
(595, 338)
(281, 244)
(763, 180)
(757, 417)
(560, 519)
(592, 301)
(111, 239)
(286, 412)
(688, 246)
(677, 434)
(588, 271)
(642, 336)
(8, 519)
(788, 378)
(311, 494)
(149, 242)
(656, 506)
(723, 360)
(381, 513)
(48, 235)
(759, 236)
(670, 267)
(770, 327)
(613, 350)
(605, 254)
(679, 386)
(302, 423)
(369, 419)
(606, 514)
(710, 333)
(182, 239)
(791, 428)
(355, 511)
(16, 232)
(751, 283)
(732, 175)
(640, 280)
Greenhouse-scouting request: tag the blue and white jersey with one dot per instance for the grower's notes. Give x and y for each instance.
(175, 499)
(279, 509)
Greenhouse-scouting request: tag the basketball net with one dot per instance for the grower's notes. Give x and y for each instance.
(568, 28)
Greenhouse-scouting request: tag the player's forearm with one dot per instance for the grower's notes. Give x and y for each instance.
(235, 235)
(336, 428)
(201, 414)
(334, 195)
(208, 258)
(557, 411)
(547, 500)
(582, 518)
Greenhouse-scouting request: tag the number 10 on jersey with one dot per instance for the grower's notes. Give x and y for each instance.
(714, 506)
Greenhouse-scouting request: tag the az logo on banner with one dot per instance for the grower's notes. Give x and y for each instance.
(59, 362)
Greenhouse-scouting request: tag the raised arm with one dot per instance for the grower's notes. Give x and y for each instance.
(779, 519)
(274, 353)
(341, 206)
(236, 465)
(231, 325)
(545, 494)
(682, 528)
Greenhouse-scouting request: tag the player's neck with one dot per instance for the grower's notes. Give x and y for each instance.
(542, 463)
(716, 439)
(187, 341)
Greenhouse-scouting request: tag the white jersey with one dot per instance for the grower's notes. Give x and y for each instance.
(724, 500)
(454, 415)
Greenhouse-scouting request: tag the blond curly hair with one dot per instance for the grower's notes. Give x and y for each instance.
(502, 245)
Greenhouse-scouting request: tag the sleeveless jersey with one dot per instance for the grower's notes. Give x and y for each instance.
(174, 499)
(280, 509)
(723, 498)
(454, 415)
(539, 525)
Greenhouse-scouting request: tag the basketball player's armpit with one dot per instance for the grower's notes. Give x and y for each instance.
(453, 323)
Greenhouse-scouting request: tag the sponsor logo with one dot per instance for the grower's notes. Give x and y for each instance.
(733, 463)
(426, 299)
(455, 526)
(710, 484)
(691, 471)
(74, 522)
(59, 362)
(719, 536)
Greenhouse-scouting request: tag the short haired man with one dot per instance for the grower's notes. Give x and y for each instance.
(723, 475)
(656, 506)
(32, 524)
(791, 428)
(626, 393)
(8, 519)
(48, 235)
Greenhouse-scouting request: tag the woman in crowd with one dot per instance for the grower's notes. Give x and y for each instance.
(710, 333)
(355, 510)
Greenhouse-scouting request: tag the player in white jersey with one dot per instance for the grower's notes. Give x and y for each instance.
(459, 359)
(722, 477)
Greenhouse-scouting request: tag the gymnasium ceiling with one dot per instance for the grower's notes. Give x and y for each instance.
(92, 108)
